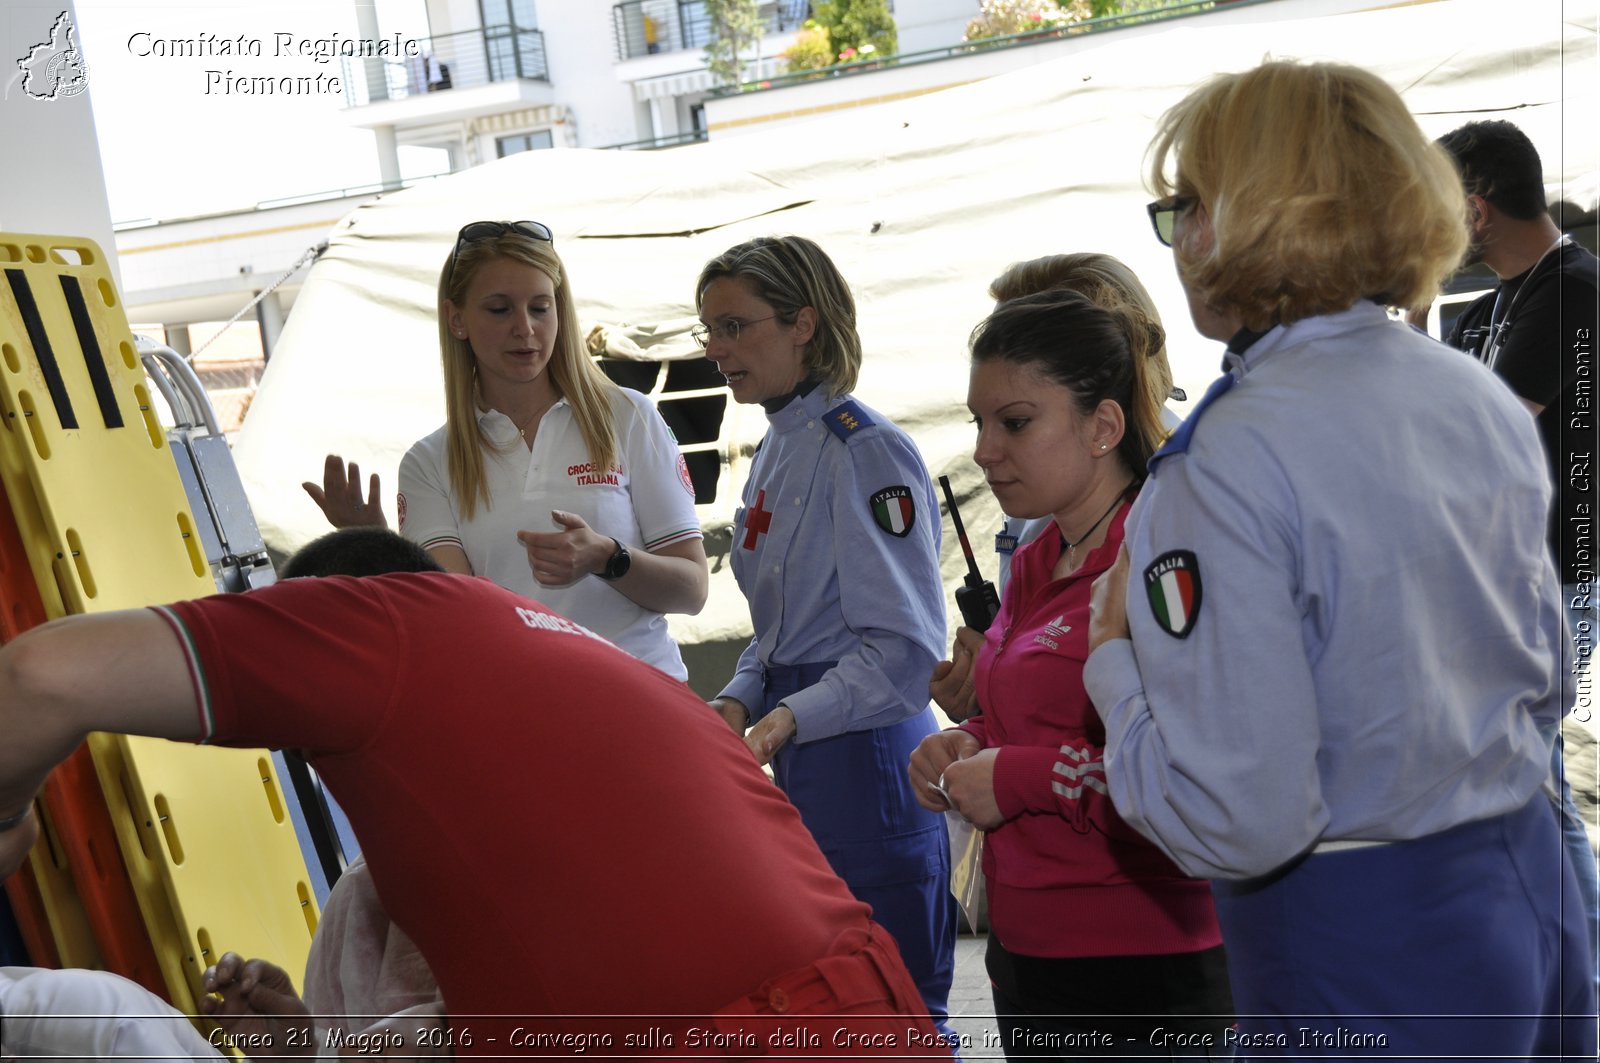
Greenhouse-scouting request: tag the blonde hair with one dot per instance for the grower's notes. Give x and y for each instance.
(1110, 284)
(1320, 188)
(790, 273)
(573, 374)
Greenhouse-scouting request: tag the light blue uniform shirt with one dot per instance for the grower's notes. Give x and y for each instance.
(1375, 634)
(826, 581)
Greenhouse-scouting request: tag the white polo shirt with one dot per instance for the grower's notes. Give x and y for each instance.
(76, 1014)
(645, 501)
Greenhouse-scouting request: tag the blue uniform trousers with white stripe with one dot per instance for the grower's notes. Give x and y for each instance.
(854, 795)
(1470, 943)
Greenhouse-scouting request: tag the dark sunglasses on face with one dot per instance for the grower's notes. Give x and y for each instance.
(1164, 215)
(474, 231)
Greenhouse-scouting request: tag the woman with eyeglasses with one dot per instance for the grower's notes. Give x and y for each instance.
(836, 546)
(1324, 658)
(1093, 933)
(546, 477)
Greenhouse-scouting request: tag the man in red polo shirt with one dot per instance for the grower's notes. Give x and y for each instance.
(583, 853)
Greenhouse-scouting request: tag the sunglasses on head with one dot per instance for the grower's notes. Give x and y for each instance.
(474, 231)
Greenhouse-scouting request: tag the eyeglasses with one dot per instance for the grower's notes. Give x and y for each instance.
(1164, 215)
(474, 231)
(728, 330)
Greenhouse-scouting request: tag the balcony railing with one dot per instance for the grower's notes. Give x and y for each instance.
(676, 140)
(646, 27)
(1175, 9)
(452, 61)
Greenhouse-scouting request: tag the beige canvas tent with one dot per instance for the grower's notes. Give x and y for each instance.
(921, 203)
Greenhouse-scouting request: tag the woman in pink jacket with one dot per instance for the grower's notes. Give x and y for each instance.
(1098, 944)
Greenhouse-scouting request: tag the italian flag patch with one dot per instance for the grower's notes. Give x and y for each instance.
(894, 511)
(1172, 583)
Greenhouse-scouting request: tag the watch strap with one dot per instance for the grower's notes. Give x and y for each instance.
(618, 563)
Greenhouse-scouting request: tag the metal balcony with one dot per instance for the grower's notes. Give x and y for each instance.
(650, 27)
(452, 61)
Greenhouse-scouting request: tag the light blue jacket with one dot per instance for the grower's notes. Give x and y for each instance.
(826, 581)
(1373, 621)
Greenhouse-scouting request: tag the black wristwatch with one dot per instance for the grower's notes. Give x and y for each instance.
(617, 564)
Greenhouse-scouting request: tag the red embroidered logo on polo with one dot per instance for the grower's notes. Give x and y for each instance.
(584, 474)
(684, 477)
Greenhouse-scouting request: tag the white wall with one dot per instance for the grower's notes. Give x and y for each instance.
(927, 24)
(51, 182)
(581, 53)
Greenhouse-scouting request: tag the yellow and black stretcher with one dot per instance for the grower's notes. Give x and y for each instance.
(200, 838)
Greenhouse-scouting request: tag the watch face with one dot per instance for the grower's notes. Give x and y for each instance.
(619, 562)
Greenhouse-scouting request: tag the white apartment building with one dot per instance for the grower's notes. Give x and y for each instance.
(496, 77)
(502, 76)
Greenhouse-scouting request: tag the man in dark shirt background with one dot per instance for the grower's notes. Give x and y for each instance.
(1536, 330)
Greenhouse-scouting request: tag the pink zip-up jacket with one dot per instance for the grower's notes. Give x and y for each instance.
(1066, 876)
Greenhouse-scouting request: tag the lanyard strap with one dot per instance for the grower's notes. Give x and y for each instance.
(1499, 322)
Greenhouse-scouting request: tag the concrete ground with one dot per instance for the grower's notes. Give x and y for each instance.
(971, 1005)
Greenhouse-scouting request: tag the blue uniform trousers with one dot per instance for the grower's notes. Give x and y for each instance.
(1470, 943)
(854, 795)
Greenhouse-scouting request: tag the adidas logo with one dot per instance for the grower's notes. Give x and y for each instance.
(1052, 631)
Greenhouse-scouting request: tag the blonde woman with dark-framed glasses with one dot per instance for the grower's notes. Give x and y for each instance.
(546, 477)
(1325, 656)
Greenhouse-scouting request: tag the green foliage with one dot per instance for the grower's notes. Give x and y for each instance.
(812, 49)
(736, 27)
(1002, 18)
(858, 29)
(1005, 18)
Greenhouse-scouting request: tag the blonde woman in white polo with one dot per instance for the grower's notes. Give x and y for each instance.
(546, 477)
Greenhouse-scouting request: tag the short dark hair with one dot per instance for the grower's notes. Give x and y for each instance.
(1498, 162)
(358, 552)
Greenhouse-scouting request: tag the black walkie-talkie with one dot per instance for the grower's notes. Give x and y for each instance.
(978, 600)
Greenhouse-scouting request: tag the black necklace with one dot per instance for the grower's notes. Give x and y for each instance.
(1071, 546)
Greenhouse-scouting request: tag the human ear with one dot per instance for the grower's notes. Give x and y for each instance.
(454, 320)
(1107, 426)
(805, 325)
(1477, 212)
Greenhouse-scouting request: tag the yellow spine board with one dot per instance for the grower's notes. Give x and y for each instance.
(69, 925)
(213, 857)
